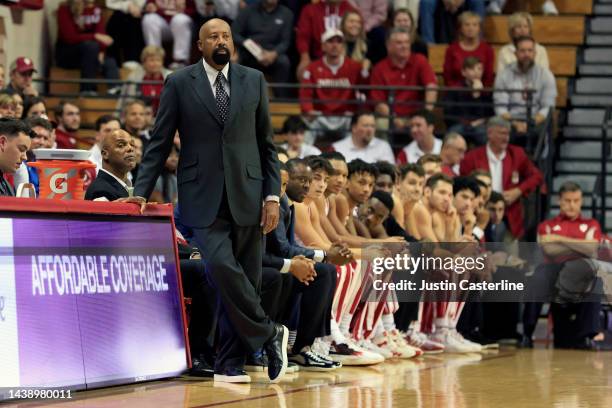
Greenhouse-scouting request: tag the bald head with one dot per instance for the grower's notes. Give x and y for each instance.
(216, 43)
(118, 153)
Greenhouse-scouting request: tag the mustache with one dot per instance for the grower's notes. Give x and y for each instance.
(222, 47)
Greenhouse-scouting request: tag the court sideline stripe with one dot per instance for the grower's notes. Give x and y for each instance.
(295, 390)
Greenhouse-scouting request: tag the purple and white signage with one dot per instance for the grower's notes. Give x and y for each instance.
(88, 301)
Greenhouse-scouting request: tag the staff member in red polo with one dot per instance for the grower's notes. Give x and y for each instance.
(569, 242)
(513, 174)
(403, 68)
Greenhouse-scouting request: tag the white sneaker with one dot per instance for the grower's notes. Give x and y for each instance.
(474, 346)
(549, 8)
(421, 341)
(386, 342)
(451, 344)
(399, 340)
(493, 8)
(321, 347)
(371, 346)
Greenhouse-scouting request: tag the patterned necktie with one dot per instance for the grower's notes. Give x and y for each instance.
(221, 97)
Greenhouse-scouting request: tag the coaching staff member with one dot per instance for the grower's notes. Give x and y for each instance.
(229, 186)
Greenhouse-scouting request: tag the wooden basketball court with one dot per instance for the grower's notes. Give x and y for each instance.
(505, 378)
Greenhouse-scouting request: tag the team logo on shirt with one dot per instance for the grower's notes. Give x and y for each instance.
(583, 228)
(557, 228)
(278, 21)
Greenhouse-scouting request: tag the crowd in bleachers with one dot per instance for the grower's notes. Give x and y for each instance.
(467, 187)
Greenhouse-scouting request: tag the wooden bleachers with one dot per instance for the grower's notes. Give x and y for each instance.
(561, 30)
(280, 110)
(579, 7)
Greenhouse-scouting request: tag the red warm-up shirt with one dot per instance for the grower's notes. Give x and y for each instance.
(416, 72)
(314, 20)
(578, 228)
(70, 32)
(453, 63)
(334, 89)
(168, 8)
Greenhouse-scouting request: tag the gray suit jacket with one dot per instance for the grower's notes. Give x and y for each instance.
(239, 155)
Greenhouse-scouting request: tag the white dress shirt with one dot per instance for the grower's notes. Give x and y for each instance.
(496, 167)
(212, 74)
(376, 150)
(414, 152)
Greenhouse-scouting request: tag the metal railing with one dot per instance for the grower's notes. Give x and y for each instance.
(600, 192)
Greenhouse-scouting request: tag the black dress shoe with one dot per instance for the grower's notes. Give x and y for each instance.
(200, 368)
(232, 375)
(276, 350)
(256, 362)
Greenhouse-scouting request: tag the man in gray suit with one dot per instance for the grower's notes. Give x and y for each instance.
(229, 185)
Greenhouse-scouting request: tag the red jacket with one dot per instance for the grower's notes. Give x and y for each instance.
(453, 63)
(516, 163)
(313, 21)
(335, 89)
(69, 32)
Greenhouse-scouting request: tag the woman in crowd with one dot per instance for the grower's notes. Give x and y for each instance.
(355, 38)
(469, 45)
(7, 106)
(82, 42)
(519, 25)
(34, 106)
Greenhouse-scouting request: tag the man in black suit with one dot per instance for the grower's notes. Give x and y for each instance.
(229, 186)
(118, 158)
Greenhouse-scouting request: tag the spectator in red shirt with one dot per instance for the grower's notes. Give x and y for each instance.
(170, 19)
(452, 153)
(314, 20)
(334, 75)
(403, 68)
(512, 172)
(469, 45)
(68, 118)
(82, 42)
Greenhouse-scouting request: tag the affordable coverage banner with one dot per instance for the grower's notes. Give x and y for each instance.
(88, 300)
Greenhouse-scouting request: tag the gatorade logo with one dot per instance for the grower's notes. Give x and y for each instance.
(58, 183)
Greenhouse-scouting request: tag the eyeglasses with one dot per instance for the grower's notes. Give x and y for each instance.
(26, 74)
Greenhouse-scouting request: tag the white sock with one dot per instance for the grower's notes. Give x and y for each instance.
(335, 333)
(440, 323)
(379, 330)
(388, 322)
(345, 324)
(292, 336)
